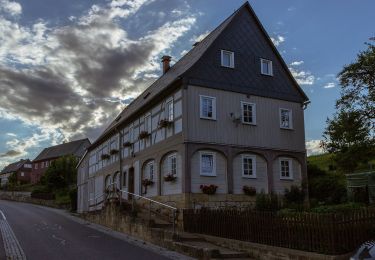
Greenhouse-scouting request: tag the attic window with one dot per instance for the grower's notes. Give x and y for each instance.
(227, 59)
(118, 118)
(266, 67)
(146, 96)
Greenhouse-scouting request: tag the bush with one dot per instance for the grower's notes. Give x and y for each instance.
(208, 189)
(294, 195)
(42, 192)
(341, 208)
(73, 199)
(248, 190)
(267, 202)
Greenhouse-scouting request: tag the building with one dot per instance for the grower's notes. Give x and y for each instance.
(41, 163)
(228, 113)
(22, 169)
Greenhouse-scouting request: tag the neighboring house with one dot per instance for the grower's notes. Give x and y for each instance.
(48, 155)
(22, 169)
(228, 113)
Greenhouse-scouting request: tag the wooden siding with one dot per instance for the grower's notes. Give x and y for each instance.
(219, 180)
(279, 185)
(261, 180)
(266, 133)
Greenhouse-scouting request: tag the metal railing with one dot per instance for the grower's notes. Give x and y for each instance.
(151, 201)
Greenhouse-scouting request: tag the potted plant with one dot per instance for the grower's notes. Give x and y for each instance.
(170, 177)
(165, 123)
(147, 182)
(248, 190)
(144, 134)
(113, 151)
(105, 156)
(209, 189)
(127, 144)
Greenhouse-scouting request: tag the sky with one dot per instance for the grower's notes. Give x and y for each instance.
(67, 68)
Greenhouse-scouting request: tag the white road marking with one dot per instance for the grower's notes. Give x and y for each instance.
(13, 249)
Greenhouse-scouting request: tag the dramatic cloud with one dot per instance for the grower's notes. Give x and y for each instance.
(313, 147)
(297, 63)
(329, 85)
(10, 153)
(302, 77)
(72, 80)
(278, 40)
(11, 7)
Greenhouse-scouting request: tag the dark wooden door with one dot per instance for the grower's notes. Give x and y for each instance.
(131, 182)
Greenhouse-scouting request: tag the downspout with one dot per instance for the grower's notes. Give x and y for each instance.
(120, 160)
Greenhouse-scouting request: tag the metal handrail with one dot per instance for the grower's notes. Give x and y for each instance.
(154, 201)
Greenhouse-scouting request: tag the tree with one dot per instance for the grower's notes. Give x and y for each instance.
(348, 137)
(358, 85)
(61, 173)
(12, 180)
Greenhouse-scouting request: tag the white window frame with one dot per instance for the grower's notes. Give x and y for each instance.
(290, 161)
(213, 154)
(147, 124)
(201, 98)
(231, 58)
(36, 166)
(270, 68)
(22, 174)
(169, 111)
(148, 168)
(254, 114)
(253, 166)
(290, 118)
(170, 163)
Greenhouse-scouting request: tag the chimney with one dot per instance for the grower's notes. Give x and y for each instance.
(166, 63)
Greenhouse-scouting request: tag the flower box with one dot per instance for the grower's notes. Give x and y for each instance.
(113, 151)
(147, 182)
(170, 178)
(250, 191)
(144, 134)
(208, 189)
(127, 144)
(165, 123)
(105, 156)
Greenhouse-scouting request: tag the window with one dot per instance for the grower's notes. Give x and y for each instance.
(248, 113)
(169, 110)
(124, 179)
(42, 165)
(150, 170)
(47, 162)
(266, 67)
(173, 164)
(227, 59)
(208, 107)
(248, 166)
(207, 164)
(36, 166)
(286, 118)
(286, 168)
(22, 174)
(147, 126)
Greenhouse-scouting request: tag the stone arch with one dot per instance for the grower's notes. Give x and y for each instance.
(165, 168)
(149, 171)
(107, 181)
(221, 171)
(116, 180)
(260, 179)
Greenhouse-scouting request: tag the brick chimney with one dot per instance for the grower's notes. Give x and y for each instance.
(166, 63)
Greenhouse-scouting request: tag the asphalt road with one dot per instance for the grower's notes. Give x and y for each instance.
(43, 233)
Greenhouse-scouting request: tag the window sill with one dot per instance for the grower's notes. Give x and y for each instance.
(269, 75)
(208, 118)
(207, 175)
(286, 128)
(286, 179)
(227, 67)
(253, 124)
(249, 177)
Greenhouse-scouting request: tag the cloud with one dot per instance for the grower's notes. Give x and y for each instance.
(330, 85)
(71, 81)
(10, 153)
(313, 147)
(278, 40)
(11, 134)
(200, 37)
(297, 63)
(302, 77)
(291, 8)
(11, 7)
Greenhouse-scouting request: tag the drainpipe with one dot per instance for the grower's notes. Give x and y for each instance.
(120, 160)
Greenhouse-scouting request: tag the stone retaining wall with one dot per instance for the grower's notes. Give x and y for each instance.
(28, 199)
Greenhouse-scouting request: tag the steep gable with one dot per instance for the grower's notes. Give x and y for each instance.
(246, 37)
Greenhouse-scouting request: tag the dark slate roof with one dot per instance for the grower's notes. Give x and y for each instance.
(76, 148)
(15, 166)
(187, 66)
